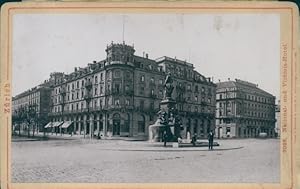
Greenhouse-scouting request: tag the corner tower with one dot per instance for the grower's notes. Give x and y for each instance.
(119, 52)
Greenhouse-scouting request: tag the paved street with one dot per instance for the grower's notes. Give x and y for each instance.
(235, 160)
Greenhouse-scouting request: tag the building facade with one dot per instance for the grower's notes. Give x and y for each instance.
(30, 109)
(278, 120)
(243, 110)
(121, 95)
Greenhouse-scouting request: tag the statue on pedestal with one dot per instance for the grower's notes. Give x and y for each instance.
(168, 86)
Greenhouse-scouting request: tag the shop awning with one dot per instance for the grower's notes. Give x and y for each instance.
(48, 125)
(57, 124)
(66, 124)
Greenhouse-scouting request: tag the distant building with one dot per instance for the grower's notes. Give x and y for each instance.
(120, 96)
(277, 117)
(243, 110)
(32, 104)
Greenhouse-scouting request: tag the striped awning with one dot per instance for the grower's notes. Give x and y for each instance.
(48, 125)
(66, 124)
(57, 124)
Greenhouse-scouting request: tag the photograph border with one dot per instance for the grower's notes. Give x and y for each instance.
(289, 85)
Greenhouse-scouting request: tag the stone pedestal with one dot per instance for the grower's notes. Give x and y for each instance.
(167, 104)
(167, 109)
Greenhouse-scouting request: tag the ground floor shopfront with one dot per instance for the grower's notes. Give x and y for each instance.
(241, 131)
(123, 124)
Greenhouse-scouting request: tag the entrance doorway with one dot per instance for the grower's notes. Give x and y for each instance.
(116, 127)
(116, 124)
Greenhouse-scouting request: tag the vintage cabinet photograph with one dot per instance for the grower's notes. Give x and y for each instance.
(136, 93)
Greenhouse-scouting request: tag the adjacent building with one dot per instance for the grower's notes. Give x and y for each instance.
(120, 96)
(278, 120)
(32, 106)
(243, 110)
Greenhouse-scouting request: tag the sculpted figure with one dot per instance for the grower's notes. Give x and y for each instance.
(168, 86)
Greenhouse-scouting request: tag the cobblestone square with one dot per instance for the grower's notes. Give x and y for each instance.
(114, 161)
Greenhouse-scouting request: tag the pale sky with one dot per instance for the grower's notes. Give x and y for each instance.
(222, 46)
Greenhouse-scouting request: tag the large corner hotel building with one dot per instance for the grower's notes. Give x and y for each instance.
(120, 96)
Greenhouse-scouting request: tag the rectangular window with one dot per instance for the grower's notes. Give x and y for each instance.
(142, 104)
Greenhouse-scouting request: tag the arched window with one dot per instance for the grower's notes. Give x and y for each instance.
(141, 124)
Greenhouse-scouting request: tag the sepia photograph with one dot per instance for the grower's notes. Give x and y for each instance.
(146, 97)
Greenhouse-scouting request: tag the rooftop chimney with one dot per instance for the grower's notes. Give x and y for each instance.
(147, 55)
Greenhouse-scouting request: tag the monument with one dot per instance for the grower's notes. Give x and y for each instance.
(168, 119)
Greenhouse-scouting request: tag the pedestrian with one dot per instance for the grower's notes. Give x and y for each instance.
(210, 140)
(194, 139)
(165, 138)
